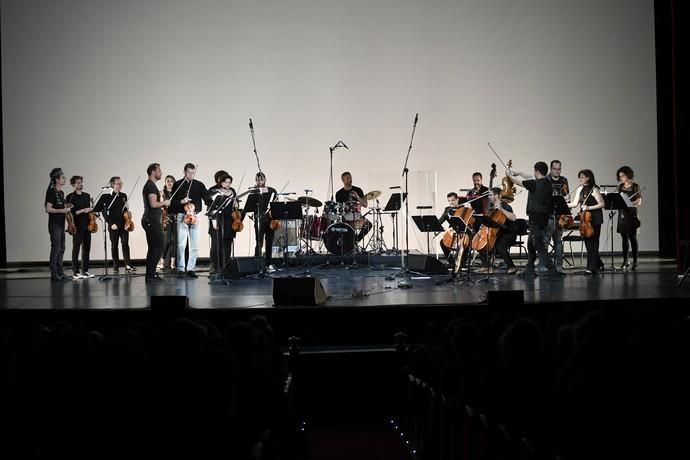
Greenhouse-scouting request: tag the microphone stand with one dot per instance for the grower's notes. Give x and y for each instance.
(331, 184)
(405, 271)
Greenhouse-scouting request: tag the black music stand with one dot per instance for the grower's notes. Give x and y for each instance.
(253, 206)
(289, 210)
(428, 224)
(100, 208)
(490, 255)
(615, 202)
(392, 207)
(216, 211)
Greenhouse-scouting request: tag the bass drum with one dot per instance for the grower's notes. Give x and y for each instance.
(339, 239)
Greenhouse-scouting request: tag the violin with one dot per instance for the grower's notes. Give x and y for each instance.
(586, 228)
(189, 208)
(93, 222)
(129, 222)
(508, 189)
(71, 228)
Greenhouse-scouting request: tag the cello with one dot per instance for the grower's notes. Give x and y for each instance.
(485, 238)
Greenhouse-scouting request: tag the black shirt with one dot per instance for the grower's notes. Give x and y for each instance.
(597, 214)
(197, 192)
(560, 186)
(213, 204)
(447, 214)
(114, 209)
(80, 201)
(153, 214)
(479, 206)
(57, 199)
(343, 195)
(539, 199)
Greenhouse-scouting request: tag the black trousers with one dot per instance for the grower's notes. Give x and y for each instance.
(115, 237)
(169, 244)
(57, 248)
(154, 240)
(594, 262)
(225, 248)
(630, 242)
(504, 241)
(264, 234)
(82, 240)
(536, 246)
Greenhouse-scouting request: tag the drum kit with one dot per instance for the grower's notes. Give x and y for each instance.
(336, 226)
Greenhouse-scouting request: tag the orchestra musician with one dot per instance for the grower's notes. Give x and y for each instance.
(215, 197)
(262, 222)
(628, 221)
(81, 207)
(185, 206)
(453, 204)
(352, 193)
(506, 233)
(169, 228)
(480, 206)
(56, 207)
(151, 221)
(538, 210)
(559, 185)
(115, 206)
(589, 200)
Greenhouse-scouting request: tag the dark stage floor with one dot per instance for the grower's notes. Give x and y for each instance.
(33, 289)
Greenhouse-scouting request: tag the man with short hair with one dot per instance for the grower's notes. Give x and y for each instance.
(81, 202)
(559, 185)
(192, 191)
(539, 207)
(353, 193)
(151, 221)
(114, 212)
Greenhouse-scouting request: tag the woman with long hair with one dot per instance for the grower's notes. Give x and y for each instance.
(589, 200)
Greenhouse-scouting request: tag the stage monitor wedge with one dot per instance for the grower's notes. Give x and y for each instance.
(306, 291)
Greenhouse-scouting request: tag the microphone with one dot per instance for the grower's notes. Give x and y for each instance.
(251, 125)
(416, 117)
(344, 145)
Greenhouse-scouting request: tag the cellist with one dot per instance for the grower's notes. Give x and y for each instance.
(506, 233)
(589, 200)
(453, 203)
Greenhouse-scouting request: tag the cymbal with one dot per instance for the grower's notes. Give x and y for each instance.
(373, 194)
(309, 201)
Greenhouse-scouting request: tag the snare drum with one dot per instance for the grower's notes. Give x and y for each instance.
(352, 211)
(332, 211)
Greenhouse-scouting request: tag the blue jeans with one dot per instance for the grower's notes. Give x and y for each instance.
(555, 233)
(182, 231)
(57, 248)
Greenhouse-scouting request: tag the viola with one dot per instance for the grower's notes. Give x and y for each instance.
(237, 225)
(190, 215)
(129, 222)
(586, 228)
(276, 224)
(93, 223)
(508, 189)
(566, 221)
(71, 228)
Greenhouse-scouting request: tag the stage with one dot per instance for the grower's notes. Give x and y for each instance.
(347, 286)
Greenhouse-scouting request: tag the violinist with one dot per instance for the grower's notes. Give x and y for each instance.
(538, 210)
(220, 227)
(628, 222)
(56, 207)
(262, 220)
(506, 233)
(590, 203)
(189, 194)
(478, 189)
(211, 194)
(169, 228)
(453, 203)
(81, 202)
(151, 221)
(115, 206)
(559, 185)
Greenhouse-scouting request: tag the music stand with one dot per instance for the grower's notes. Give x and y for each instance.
(215, 211)
(490, 255)
(428, 224)
(253, 206)
(393, 206)
(100, 208)
(615, 202)
(288, 210)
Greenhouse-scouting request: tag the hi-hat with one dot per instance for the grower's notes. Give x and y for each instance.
(373, 194)
(309, 201)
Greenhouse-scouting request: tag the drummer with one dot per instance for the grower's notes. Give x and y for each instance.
(353, 196)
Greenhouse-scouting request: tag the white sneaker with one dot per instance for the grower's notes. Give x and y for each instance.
(87, 275)
(130, 269)
(77, 277)
(270, 269)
